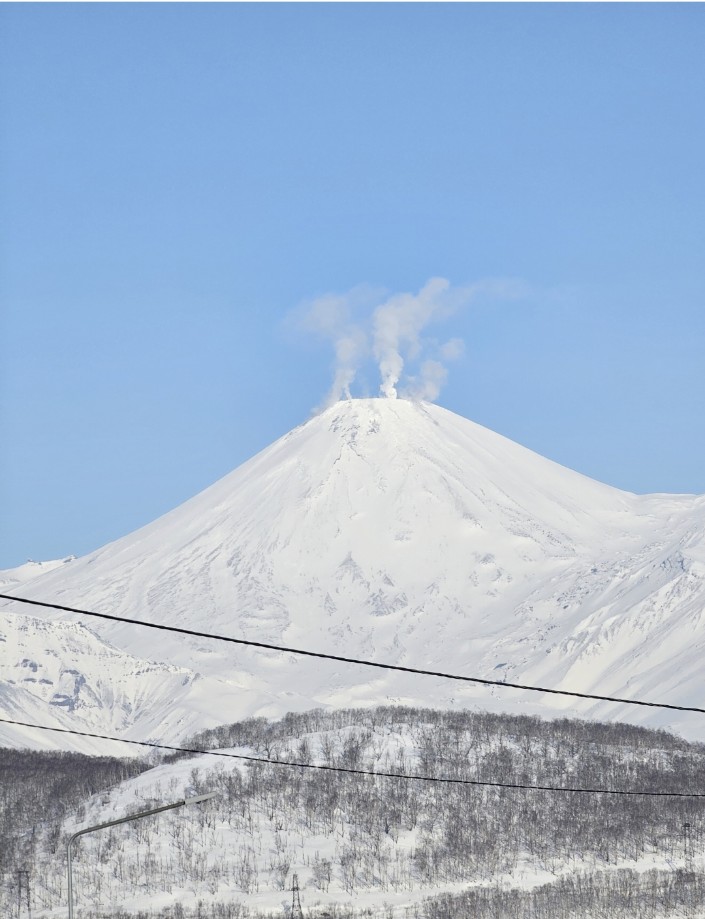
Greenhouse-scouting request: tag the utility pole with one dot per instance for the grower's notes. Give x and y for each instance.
(688, 891)
(687, 848)
(23, 885)
(296, 911)
(192, 799)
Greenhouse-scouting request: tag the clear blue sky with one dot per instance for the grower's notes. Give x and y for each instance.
(176, 179)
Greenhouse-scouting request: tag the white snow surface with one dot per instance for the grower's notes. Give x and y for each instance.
(399, 532)
(12, 577)
(273, 844)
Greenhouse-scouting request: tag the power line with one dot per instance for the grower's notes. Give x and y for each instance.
(352, 660)
(414, 777)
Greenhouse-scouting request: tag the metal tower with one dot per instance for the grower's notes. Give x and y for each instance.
(296, 911)
(687, 848)
(23, 888)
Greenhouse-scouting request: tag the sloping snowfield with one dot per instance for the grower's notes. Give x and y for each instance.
(380, 529)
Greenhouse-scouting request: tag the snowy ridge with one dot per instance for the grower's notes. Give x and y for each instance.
(13, 577)
(61, 674)
(398, 531)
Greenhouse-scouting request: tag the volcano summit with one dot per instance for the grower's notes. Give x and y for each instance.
(400, 532)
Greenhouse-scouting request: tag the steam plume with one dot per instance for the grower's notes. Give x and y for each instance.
(349, 350)
(332, 317)
(397, 326)
(366, 323)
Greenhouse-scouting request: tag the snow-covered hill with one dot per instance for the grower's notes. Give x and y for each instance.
(23, 574)
(398, 531)
(373, 847)
(60, 673)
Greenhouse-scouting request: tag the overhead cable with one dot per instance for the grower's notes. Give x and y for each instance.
(353, 660)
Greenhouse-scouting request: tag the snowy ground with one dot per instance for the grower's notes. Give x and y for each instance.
(394, 531)
(247, 849)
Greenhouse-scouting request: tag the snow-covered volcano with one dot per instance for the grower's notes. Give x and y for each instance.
(398, 531)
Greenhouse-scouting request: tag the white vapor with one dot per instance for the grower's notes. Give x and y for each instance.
(350, 347)
(364, 322)
(452, 349)
(397, 325)
(331, 317)
(428, 385)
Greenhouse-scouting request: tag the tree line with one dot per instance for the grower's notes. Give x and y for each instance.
(344, 834)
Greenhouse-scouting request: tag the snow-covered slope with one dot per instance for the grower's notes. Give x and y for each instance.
(401, 532)
(376, 845)
(63, 675)
(23, 574)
